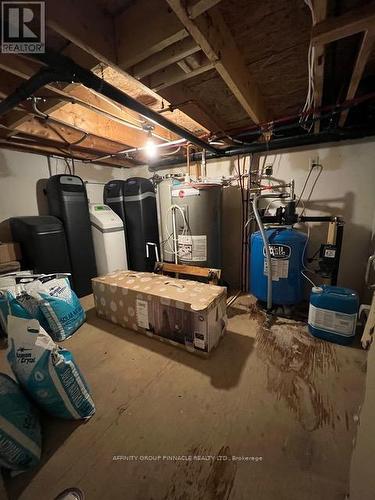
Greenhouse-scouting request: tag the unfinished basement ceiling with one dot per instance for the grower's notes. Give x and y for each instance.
(214, 67)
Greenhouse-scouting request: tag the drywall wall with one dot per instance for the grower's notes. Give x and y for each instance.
(345, 188)
(362, 477)
(23, 177)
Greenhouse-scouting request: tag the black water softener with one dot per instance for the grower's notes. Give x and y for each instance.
(134, 200)
(43, 243)
(67, 200)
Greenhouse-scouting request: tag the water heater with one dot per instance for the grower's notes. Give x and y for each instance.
(198, 223)
(287, 248)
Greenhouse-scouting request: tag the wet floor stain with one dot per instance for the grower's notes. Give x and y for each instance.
(201, 479)
(294, 361)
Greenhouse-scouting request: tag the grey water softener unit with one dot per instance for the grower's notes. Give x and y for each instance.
(134, 201)
(43, 244)
(67, 200)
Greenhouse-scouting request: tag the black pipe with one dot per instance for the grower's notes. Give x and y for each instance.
(339, 238)
(90, 80)
(275, 144)
(26, 89)
(318, 218)
(63, 69)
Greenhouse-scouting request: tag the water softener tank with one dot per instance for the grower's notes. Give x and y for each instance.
(199, 236)
(333, 313)
(134, 201)
(287, 248)
(67, 200)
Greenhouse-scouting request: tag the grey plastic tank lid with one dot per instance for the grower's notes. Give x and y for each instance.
(317, 289)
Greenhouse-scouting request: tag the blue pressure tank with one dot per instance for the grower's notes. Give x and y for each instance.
(333, 313)
(287, 248)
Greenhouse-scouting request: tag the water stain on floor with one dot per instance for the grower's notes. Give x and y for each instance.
(203, 479)
(294, 361)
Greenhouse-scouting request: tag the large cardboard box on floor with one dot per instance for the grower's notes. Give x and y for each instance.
(182, 312)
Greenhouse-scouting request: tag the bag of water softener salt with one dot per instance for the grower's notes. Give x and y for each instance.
(59, 304)
(47, 298)
(20, 436)
(15, 300)
(47, 372)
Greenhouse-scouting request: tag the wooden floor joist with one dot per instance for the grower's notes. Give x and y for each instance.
(129, 120)
(211, 33)
(348, 24)
(164, 58)
(366, 47)
(320, 11)
(143, 29)
(172, 75)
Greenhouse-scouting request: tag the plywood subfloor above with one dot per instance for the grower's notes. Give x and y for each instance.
(151, 99)
(273, 393)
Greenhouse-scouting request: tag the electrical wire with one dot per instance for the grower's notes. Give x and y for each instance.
(185, 231)
(304, 267)
(309, 102)
(313, 187)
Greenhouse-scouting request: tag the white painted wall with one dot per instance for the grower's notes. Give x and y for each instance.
(346, 187)
(23, 177)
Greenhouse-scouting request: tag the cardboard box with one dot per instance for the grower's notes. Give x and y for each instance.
(9, 252)
(182, 312)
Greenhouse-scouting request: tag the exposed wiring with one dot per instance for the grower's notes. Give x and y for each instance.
(171, 153)
(313, 186)
(309, 102)
(312, 167)
(185, 231)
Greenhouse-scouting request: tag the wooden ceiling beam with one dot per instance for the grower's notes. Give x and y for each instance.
(148, 27)
(320, 10)
(65, 133)
(211, 33)
(186, 101)
(164, 58)
(200, 7)
(348, 24)
(14, 135)
(85, 25)
(366, 47)
(143, 24)
(172, 75)
(48, 151)
(145, 28)
(81, 97)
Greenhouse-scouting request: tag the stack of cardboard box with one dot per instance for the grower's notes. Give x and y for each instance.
(10, 255)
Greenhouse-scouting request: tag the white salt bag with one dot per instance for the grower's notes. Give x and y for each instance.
(47, 372)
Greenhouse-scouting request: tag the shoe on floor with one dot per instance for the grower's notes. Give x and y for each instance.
(71, 494)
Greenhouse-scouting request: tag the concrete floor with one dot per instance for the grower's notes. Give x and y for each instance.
(275, 393)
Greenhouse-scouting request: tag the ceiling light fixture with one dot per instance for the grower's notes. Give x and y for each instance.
(150, 148)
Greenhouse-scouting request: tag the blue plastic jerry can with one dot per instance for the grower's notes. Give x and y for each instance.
(333, 313)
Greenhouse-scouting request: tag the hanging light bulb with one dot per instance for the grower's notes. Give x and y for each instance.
(150, 148)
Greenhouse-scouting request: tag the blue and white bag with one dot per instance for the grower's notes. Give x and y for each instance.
(20, 436)
(47, 372)
(47, 298)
